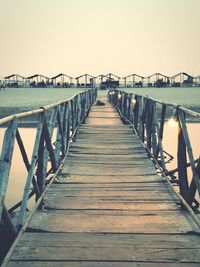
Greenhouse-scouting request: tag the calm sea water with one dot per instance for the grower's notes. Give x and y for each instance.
(185, 96)
(34, 97)
(28, 97)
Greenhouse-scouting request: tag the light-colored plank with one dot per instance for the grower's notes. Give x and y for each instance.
(108, 171)
(108, 254)
(97, 264)
(110, 221)
(88, 203)
(66, 177)
(111, 240)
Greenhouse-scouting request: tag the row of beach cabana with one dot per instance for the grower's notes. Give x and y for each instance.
(103, 81)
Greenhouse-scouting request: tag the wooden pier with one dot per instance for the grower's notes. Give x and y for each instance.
(108, 207)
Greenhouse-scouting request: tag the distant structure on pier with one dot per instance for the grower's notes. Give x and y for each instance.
(103, 81)
(62, 80)
(85, 80)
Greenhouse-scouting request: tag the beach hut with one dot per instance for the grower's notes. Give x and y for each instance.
(62, 80)
(38, 80)
(15, 80)
(182, 79)
(85, 80)
(158, 80)
(133, 80)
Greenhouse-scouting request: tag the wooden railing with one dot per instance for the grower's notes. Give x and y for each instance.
(65, 117)
(147, 116)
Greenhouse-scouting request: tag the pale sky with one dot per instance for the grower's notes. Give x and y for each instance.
(99, 36)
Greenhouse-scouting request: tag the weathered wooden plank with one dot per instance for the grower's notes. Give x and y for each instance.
(112, 160)
(70, 185)
(108, 156)
(106, 152)
(99, 121)
(91, 131)
(66, 177)
(110, 221)
(86, 169)
(108, 253)
(111, 142)
(98, 264)
(113, 194)
(112, 146)
(110, 240)
(107, 161)
(94, 164)
(102, 131)
(94, 204)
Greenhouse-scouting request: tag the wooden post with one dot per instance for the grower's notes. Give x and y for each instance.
(143, 119)
(153, 128)
(189, 149)
(159, 148)
(161, 128)
(5, 160)
(129, 106)
(193, 188)
(140, 121)
(182, 162)
(149, 124)
(65, 127)
(40, 165)
(59, 139)
(136, 112)
(85, 80)
(72, 115)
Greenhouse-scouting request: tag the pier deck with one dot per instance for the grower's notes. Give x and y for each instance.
(108, 207)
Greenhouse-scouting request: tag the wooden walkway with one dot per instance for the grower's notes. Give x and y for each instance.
(108, 207)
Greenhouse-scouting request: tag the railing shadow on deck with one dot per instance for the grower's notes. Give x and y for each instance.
(65, 117)
(147, 117)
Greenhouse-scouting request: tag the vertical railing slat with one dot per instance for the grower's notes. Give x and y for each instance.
(189, 149)
(5, 160)
(182, 163)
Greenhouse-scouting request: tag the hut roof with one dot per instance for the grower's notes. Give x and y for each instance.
(61, 74)
(37, 75)
(14, 75)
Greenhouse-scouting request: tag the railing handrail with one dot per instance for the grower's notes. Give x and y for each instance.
(141, 113)
(48, 150)
(169, 104)
(42, 109)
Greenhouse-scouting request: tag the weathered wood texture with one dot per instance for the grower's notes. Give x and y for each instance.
(108, 207)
